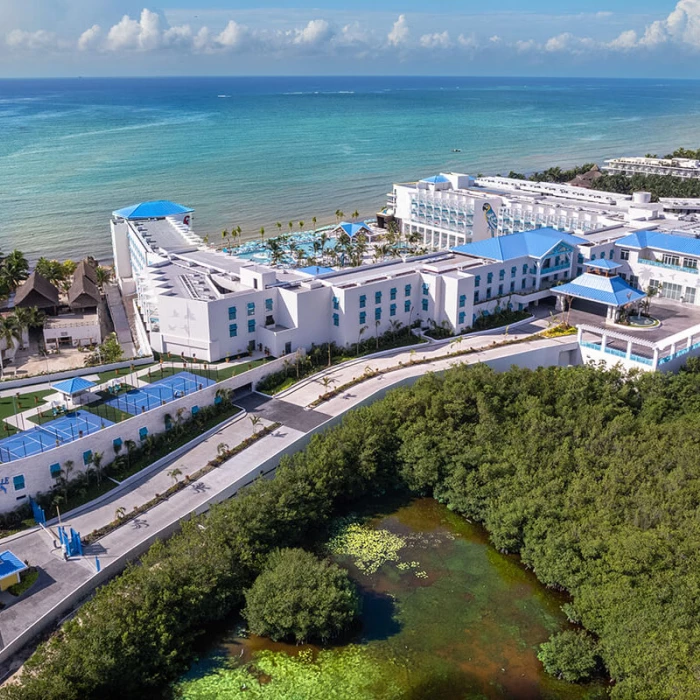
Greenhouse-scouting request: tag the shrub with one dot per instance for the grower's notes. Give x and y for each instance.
(300, 598)
(572, 656)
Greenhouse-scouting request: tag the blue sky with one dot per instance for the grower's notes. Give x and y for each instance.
(646, 38)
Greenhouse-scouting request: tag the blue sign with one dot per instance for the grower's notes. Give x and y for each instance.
(4, 483)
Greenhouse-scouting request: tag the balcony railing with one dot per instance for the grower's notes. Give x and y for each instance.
(668, 266)
(556, 268)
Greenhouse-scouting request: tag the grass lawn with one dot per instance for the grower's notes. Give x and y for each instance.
(116, 373)
(27, 580)
(218, 372)
(25, 401)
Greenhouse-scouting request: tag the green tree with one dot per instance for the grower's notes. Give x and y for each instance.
(299, 598)
(14, 269)
(571, 656)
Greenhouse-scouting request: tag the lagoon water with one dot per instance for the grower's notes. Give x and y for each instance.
(449, 617)
(254, 151)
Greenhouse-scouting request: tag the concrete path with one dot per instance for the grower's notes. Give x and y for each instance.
(59, 579)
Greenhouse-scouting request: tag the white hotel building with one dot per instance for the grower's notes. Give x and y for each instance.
(676, 167)
(204, 303)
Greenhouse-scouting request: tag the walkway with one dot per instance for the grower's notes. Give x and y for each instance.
(120, 320)
(60, 579)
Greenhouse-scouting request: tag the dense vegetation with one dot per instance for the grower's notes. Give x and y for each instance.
(591, 476)
(300, 598)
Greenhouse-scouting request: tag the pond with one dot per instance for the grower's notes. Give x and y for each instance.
(444, 615)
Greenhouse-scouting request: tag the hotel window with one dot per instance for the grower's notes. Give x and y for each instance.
(579, 271)
(592, 257)
(231, 313)
(634, 281)
(477, 280)
(268, 304)
(425, 305)
(336, 303)
(336, 319)
(363, 318)
(501, 275)
(462, 318)
(488, 293)
(513, 271)
(233, 330)
(523, 284)
(18, 482)
(692, 263)
(392, 293)
(363, 301)
(462, 301)
(672, 291)
(512, 286)
(500, 290)
(426, 289)
(407, 305)
(378, 313)
(407, 290)
(55, 470)
(392, 310)
(377, 297)
(525, 269)
(602, 255)
(612, 253)
(624, 255)
(690, 295)
(476, 297)
(489, 278)
(251, 308)
(580, 259)
(669, 259)
(251, 326)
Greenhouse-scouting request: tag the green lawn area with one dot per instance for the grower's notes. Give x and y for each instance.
(27, 580)
(218, 372)
(115, 373)
(25, 401)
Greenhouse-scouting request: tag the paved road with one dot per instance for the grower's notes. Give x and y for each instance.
(60, 578)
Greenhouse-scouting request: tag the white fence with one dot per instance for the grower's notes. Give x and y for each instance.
(36, 469)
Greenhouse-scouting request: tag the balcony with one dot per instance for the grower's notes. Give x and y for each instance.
(555, 268)
(658, 263)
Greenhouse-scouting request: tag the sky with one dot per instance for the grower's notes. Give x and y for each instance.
(618, 38)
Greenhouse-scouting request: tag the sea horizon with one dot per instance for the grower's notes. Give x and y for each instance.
(253, 150)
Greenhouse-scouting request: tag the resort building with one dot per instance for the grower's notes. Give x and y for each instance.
(452, 209)
(677, 167)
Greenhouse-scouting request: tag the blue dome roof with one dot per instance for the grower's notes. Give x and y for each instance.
(436, 179)
(152, 210)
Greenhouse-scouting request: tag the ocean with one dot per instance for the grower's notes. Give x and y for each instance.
(253, 151)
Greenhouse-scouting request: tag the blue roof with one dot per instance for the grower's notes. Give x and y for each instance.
(603, 264)
(668, 242)
(613, 291)
(436, 179)
(10, 564)
(73, 386)
(152, 210)
(536, 244)
(315, 270)
(353, 229)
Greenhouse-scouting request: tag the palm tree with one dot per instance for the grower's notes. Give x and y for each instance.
(377, 323)
(359, 335)
(119, 513)
(301, 225)
(276, 253)
(130, 447)
(224, 233)
(9, 332)
(174, 474)
(291, 226)
(355, 214)
(262, 233)
(14, 269)
(103, 274)
(97, 463)
(222, 448)
(339, 215)
(255, 422)
(279, 226)
(327, 382)
(313, 220)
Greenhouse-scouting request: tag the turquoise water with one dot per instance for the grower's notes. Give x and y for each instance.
(253, 151)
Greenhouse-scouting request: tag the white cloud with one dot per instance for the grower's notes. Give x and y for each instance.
(142, 34)
(39, 40)
(90, 38)
(315, 32)
(627, 40)
(469, 42)
(436, 41)
(233, 36)
(399, 32)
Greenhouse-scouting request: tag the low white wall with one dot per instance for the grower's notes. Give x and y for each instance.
(68, 374)
(35, 469)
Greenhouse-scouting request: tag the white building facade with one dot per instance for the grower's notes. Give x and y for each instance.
(676, 167)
